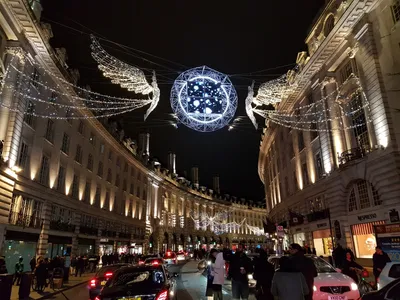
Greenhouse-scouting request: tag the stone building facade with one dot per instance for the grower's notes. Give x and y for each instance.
(339, 180)
(78, 186)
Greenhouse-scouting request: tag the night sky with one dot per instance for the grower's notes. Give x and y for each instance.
(256, 40)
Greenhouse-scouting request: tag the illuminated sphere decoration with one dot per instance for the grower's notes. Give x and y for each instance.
(203, 99)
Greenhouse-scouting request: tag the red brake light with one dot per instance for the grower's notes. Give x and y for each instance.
(93, 282)
(97, 298)
(169, 253)
(109, 274)
(155, 263)
(163, 295)
(141, 262)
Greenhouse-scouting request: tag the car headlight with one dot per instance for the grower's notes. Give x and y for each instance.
(208, 262)
(354, 287)
(250, 277)
(314, 288)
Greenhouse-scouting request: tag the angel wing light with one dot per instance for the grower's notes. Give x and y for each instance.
(249, 108)
(127, 76)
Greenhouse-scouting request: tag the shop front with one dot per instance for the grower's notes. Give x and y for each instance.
(299, 236)
(362, 231)
(59, 246)
(123, 247)
(135, 249)
(19, 244)
(322, 239)
(86, 246)
(106, 247)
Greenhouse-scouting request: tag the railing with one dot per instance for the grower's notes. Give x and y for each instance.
(353, 154)
(61, 226)
(20, 219)
(88, 230)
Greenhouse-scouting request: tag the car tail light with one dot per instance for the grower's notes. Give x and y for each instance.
(97, 298)
(93, 283)
(109, 274)
(141, 262)
(365, 274)
(155, 263)
(163, 295)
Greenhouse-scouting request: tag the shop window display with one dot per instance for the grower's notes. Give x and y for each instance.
(13, 250)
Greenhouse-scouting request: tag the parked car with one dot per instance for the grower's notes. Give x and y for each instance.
(391, 291)
(140, 282)
(170, 258)
(155, 261)
(389, 273)
(180, 256)
(143, 258)
(101, 277)
(330, 283)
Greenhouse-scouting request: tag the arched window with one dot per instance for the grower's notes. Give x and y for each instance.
(329, 24)
(363, 195)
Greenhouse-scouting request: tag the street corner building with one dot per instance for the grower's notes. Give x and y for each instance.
(74, 185)
(334, 180)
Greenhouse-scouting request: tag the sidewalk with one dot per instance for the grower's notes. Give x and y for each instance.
(73, 281)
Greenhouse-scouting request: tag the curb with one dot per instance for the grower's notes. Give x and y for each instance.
(61, 290)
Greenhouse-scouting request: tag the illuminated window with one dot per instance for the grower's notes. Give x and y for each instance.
(359, 122)
(396, 11)
(23, 155)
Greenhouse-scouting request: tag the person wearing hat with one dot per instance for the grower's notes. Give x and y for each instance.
(303, 265)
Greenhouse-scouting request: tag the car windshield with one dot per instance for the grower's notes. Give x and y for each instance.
(109, 269)
(322, 266)
(138, 277)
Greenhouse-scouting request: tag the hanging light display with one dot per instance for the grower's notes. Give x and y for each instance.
(255, 230)
(203, 99)
(218, 223)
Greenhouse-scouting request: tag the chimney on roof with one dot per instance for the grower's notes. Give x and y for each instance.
(216, 184)
(144, 144)
(195, 176)
(172, 162)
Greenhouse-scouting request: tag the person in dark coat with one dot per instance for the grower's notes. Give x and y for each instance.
(263, 273)
(339, 256)
(305, 266)
(32, 263)
(41, 275)
(350, 267)
(239, 268)
(380, 259)
(3, 267)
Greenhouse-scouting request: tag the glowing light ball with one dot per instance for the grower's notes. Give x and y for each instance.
(203, 99)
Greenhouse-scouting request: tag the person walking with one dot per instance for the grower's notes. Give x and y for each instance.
(305, 266)
(263, 273)
(41, 274)
(239, 268)
(32, 263)
(350, 267)
(19, 268)
(288, 283)
(217, 272)
(380, 259)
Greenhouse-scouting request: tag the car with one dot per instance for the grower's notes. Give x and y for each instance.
(101, 277)
(181, 256)
(143, 258)
(330, 284)
(140, 282)
(391, 291)
(170, 258)
(154, 261)
(389, 273)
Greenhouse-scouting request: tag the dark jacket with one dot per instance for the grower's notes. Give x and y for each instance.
(236, 262)
(306, 266)
(380, 262)
(348, 269)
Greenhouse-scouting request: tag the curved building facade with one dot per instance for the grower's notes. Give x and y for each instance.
(333, 182)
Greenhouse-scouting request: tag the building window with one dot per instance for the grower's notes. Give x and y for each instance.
(97, 195)
(359, 122)
(364, 239)
(329, 25)
(139, 175)
(301, 140)
(118, 161)
(107, 201)
(100, 169)
(90, 162)
(102, 148)
(117, 180)
(75, 187)
(131, 190)
(363, 195)
(50, 131)
(126, 167)
(81, 127)
(65, 144)
(68, 115)
(396, 11)
(138, 192)
(347, 70)
(23, 155)
(44, 170)
(318, 165)
(35, 78)
(78, 154)
(92, 139)
(29, 117)
(53, 97)
(132, 172)
(110, 155)
(144, 195)
(109, 175)
(305, 175)
(86, 197)
(61, 179)
(124, 187)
